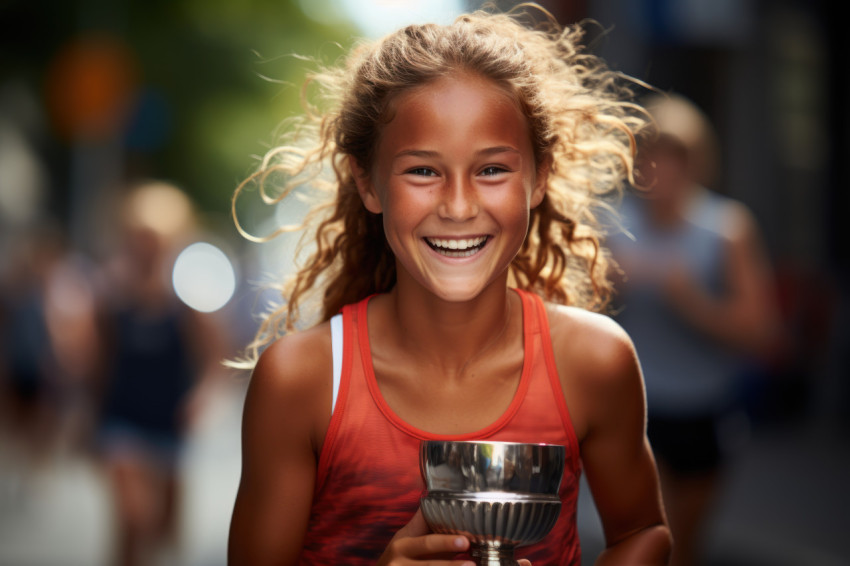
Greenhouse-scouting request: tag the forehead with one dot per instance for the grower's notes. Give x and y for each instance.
(455, 108)
(462, 86)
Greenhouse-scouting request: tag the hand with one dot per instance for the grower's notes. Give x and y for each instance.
(678, 284)
(415, 544)
(686, 296)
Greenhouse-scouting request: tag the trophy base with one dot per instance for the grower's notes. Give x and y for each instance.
(494, 556)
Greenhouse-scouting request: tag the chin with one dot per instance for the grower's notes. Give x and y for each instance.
(456, 292)
(457, 297)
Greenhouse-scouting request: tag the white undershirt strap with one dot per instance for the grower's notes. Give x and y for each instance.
(336, 353)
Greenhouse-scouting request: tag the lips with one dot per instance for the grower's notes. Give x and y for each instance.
(457, 247)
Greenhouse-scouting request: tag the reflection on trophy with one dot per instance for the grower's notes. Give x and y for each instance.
(500, 495)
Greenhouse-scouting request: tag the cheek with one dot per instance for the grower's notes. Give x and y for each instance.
(406, 203)
(403, 211)
(515, 211)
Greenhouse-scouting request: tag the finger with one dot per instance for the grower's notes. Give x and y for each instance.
(432, 545)
(524, 562)
(417, 528)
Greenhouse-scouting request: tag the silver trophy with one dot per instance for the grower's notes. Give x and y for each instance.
(500, 495)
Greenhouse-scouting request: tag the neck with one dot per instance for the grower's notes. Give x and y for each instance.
(670, 211)
(450, 335)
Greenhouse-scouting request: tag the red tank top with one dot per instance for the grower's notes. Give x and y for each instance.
(368, 482)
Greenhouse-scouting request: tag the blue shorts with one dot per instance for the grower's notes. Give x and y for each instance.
(116, 437)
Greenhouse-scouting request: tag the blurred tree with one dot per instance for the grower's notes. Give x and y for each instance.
(203, 107)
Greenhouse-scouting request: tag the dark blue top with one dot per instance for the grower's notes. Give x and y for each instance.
(152, 370)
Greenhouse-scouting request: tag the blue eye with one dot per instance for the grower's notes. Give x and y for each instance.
(491, 171)
(423, 171)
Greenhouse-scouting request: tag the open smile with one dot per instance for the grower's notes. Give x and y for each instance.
(457, 247)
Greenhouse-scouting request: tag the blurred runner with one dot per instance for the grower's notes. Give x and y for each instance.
(159, 355)
(698, 303)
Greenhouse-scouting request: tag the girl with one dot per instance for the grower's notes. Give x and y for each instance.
(468, 161)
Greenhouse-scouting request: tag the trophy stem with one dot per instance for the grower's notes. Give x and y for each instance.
(486, 555)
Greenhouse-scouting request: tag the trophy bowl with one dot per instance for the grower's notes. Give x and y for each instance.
(500, 495)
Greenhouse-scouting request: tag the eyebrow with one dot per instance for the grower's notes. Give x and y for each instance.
(428, 153)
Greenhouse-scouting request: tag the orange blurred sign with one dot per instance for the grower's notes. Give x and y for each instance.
(91, 84)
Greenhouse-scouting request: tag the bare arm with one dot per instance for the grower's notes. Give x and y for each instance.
(288, 400)
(604, 388)
(619, 464)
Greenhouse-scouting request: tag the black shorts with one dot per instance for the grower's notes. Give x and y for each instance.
(686, 445)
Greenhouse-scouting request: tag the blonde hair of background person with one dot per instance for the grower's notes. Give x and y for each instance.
(513, 138)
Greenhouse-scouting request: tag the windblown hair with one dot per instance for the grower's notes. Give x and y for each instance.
(582, 124)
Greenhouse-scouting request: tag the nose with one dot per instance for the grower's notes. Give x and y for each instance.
(459, 200)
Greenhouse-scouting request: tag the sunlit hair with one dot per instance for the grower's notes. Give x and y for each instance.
(581, 122)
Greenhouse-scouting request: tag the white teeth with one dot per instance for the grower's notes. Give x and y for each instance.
(457, 248)
(460, 245)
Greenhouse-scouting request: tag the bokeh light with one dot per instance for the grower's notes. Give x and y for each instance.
(204, 277)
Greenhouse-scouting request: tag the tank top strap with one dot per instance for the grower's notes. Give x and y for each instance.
(537, 331)
(342, 385)
(531, 317)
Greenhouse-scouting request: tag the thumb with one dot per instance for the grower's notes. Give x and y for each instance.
(524, 562)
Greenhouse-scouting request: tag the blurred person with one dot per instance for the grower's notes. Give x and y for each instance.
(71, 317)
(47, 340)
(697, 299)
(47, 364)
(160, 357)
(29, 364)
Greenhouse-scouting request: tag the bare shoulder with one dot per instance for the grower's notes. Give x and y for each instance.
(597, 366)
(738, 221)
(291, 382)
(591, 342)
(296, 360)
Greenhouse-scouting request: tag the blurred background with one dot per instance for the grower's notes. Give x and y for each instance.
(125, 127)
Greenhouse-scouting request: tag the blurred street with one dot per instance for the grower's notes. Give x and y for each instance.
(56, 511)
(779, 506)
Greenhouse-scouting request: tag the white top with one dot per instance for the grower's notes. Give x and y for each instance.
(336, 353)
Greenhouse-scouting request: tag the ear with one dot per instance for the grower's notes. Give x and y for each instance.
(541, 180)
(364, 186)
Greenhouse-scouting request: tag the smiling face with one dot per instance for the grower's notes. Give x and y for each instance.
(454, 175)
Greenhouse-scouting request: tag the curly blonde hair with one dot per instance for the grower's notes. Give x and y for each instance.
(582, 123)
